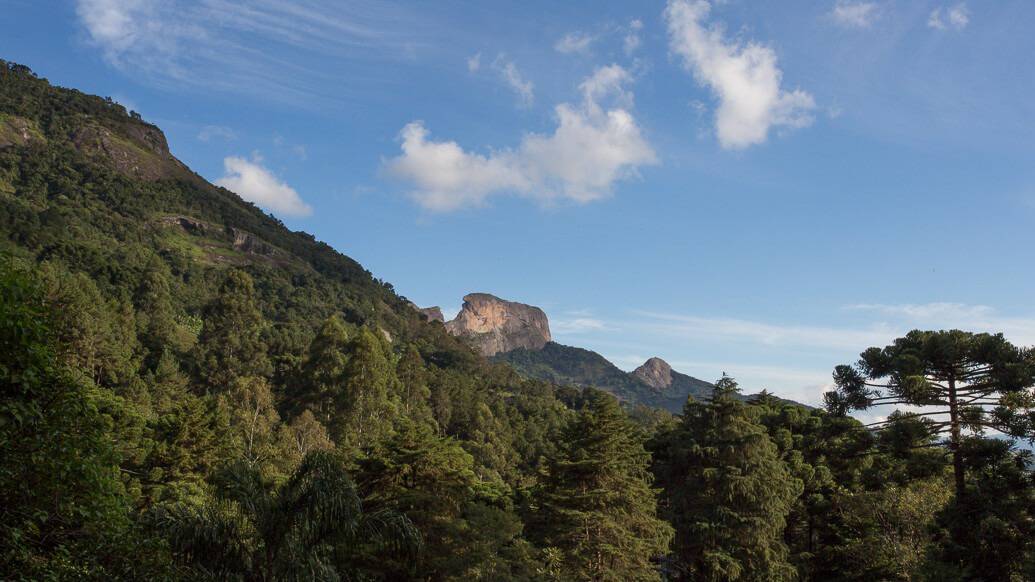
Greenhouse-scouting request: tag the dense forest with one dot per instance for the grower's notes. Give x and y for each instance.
(192, 391)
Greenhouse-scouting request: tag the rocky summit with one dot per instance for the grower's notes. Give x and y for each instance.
(494, 325)
(655, 373)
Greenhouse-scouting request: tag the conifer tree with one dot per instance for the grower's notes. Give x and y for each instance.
(728, 492)
(231, 341)
(597, 504)
(969, 383)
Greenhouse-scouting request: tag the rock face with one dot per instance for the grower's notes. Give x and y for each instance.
(655, 373)
(432, 313)
(494, 325)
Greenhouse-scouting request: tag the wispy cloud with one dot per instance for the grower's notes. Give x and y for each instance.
(855, 14)
(211, 132)
(513, 78)
(596, 143)
(763, 333)
(954, 18)
(745, 78)
(254, 183)
(575, 42)
(631, 41)
(214, 43)
(578, 325)
(942, 315)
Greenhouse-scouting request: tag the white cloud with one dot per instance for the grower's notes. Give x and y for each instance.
(210, 132)
(745, 78)
(766, 334)
(213, 43)
(254, 183)
(632, 41)
(474, 62)
(853, 14)
(578, 325)
(956, 17)
(943, 315)
(928, 311)
(574, 42)
(596, 143)
(522, 87)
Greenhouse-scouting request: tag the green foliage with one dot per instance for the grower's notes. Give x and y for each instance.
(231, 344)
(597, 505)
(65, 510)
(168, 350)
(729, 494)
(253, 531)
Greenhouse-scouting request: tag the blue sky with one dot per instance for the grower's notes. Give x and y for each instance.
(760, 188)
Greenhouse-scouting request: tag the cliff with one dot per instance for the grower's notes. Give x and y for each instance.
(493, 325)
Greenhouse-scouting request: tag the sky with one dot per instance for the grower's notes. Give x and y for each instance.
(763, 189)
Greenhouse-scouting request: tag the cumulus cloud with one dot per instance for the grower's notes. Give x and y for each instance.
(254, 183)
(596, 143)
(955, 18)
(744, 77)
(474, 62)
(574, 42)
(854, 14)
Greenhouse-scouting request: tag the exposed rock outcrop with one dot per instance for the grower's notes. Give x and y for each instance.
(137, 149)
(246, 242)
(494, 325)
(18, 131)
(655, 373)
(432, 313)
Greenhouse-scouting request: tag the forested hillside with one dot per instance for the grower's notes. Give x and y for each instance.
(192, 391)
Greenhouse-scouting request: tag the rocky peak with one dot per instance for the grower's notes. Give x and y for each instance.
(655, 372)
(432, 313)
(494, 325)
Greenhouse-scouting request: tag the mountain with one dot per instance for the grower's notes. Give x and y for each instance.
(562, 364)
(493, 325)
(519, 335)
(90, 186)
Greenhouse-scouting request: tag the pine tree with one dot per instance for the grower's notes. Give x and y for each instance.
(231, 343)
(728, 492)
(597, 505)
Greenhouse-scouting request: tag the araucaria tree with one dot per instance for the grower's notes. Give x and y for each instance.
(597, 503)
(967, 383)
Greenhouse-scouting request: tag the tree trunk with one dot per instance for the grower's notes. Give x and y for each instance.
(957, 454)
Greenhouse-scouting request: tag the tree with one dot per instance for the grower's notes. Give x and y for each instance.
(967, 383)
(469, 531)
(597, 504)
(256, 532)
(62, 504)
(414, 393)
(305, 435)
(728, 492)
(254, 422)
(365, 405)
(323, 371)
(231, 343)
